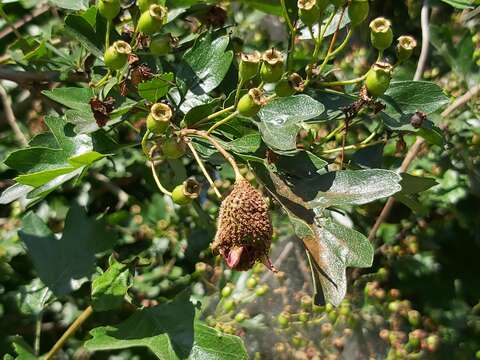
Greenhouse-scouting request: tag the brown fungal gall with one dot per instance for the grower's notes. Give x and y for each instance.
(244, 231)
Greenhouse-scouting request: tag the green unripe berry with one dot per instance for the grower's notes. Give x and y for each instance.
(109, 9)
(272, 67)
(329, 307)
(262, 290)
(186, 192)
(414, 318)
(477, 354)
(310, 11)
(159, 118)
(116, 56)
(172, 149)
(306, 302)
(297, 340)
(152, 20)
(229, 305)
(283, 319)
(358, 11)
(161, 45)
(240, 317)
(227, 291)
(249, 65)
(303, 317)
(200, 268)
(381, 33)
(250, 103)
(143, 5)
(289, 86)
(378, 79)
(252, 282)
(405, 47)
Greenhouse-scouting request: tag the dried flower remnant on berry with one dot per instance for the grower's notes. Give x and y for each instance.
(244, 232)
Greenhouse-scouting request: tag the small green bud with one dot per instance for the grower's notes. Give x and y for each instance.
(249, 65)
(227, 291)
(152, 20)
(261, 290)
(161, 45)
(172, 149)
(116, 56)
(358, 11)
(186, 192)
(283, 319)
(109, 9)
(381, 33)
(329, 307)
(272, 67)
(378, 79)
(200, 268)
(241, 316)
(250, 103)
(229, 305)
(405, 47)
(159, 118)
(306, 302)
(252, 282)
(297, 340)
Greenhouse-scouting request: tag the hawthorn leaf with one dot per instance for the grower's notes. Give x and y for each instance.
(249, 143)
(200, 112)
(32, 298)
(281, 119)
(170, 332)
(404, 98)
(71, 4)
(14, 192)
(76, 98)
(209, 61)
(110, 288)
(64, 263)
(156, 88)
(349, 187)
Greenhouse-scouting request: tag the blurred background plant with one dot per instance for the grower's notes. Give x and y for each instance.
(420, 300)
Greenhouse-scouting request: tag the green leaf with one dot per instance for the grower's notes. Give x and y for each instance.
(156, 88)
(170, 332)
(281, 118)
(67, 153)
(62, 264)
(246, 144)
(72, 97)
(339, 248)
(460, 4)
(14, 192)
(200, 112)
(33, 297)
(209, 61)
(71, 4)
(332, 247)
(23, 350)
(79, 29)
(404, 98)
(349, 187)
(110, 288)
(415, 184)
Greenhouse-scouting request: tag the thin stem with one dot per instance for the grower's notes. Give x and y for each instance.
(223, 121)
(10, 116)
(286, 17)
(144, 144)
(103, 80)
(332, 54)
(353, 147)
(204, 170)
(107, 34)
(157, 180)
(239, 89)
(10, 24)
(341, 82)
(221, 150)
(293, 33)
(38, 333)
(69, 332)
(214, 115)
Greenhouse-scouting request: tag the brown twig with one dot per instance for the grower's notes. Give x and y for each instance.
(24, 20)
(27, 77)
(10, 116)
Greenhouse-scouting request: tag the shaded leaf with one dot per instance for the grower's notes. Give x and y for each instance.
(281, 118)
(170, 332)
(62, 264)
(156, 88)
